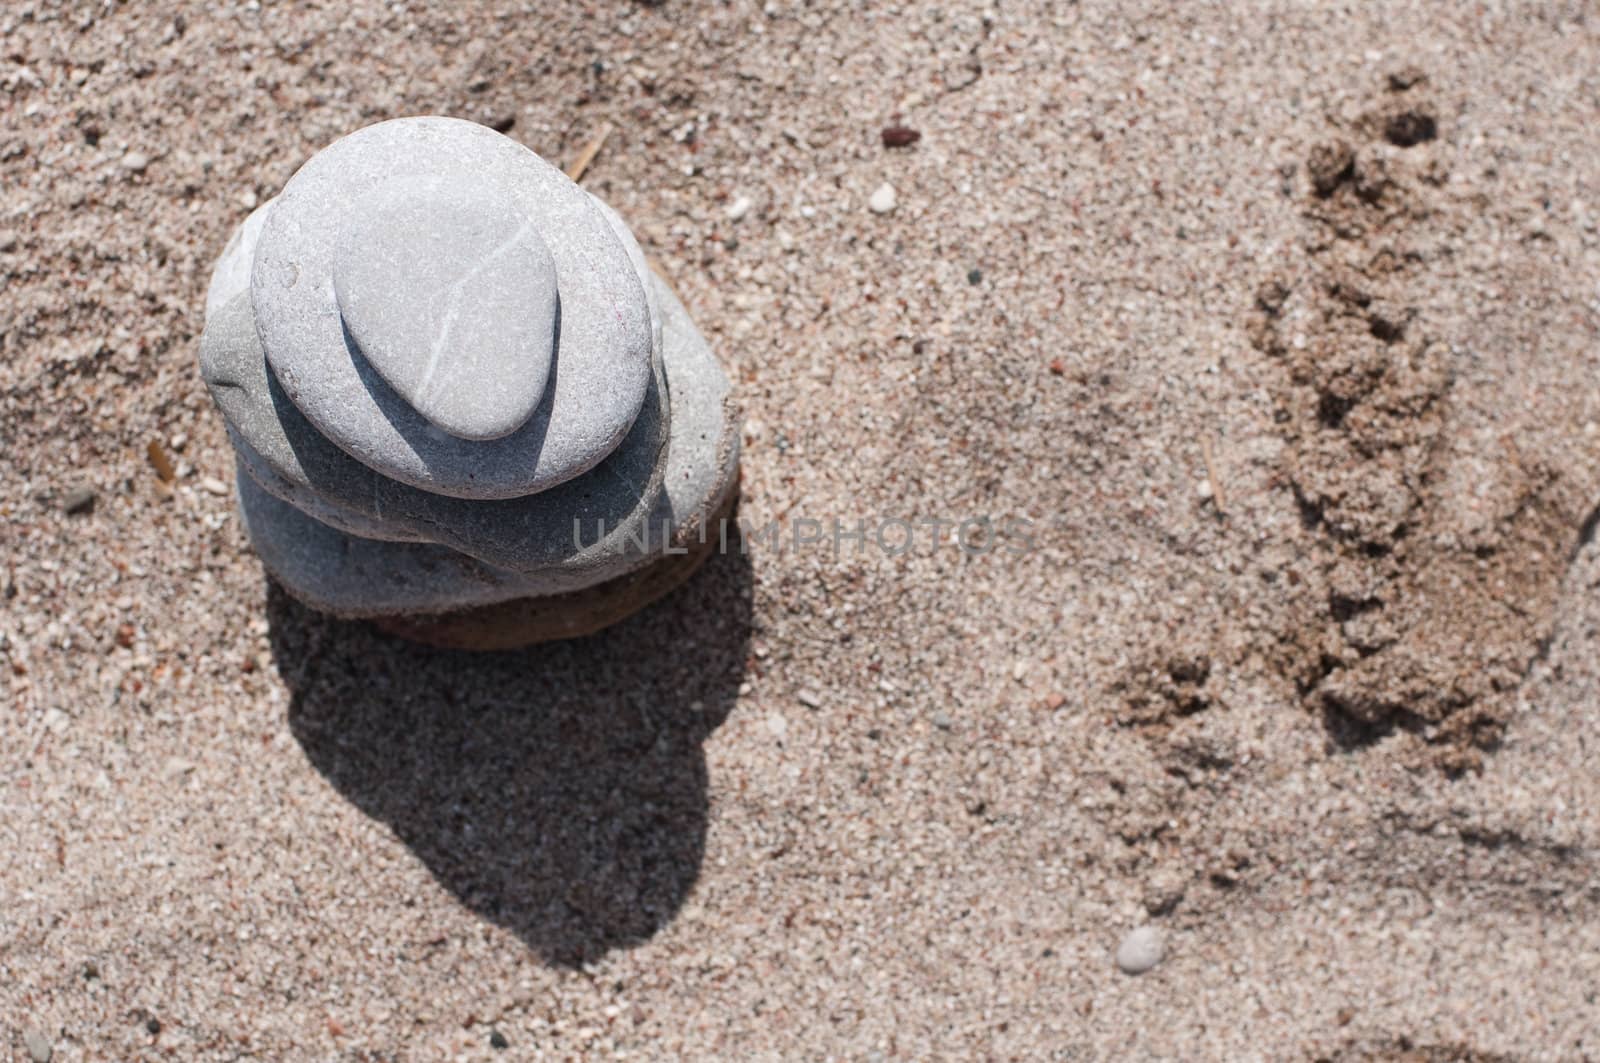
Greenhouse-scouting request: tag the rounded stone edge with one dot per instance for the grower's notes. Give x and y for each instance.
(550, 618)
(361, 578)
(390, 574)
(231, 274)
(308, 475)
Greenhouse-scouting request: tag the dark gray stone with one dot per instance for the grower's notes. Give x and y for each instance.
(348, 576)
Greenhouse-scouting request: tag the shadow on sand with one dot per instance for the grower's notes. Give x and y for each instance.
(559, 791)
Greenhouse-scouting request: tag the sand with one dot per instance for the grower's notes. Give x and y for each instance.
(1265, 339)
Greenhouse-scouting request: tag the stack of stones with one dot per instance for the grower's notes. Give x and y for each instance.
(462, 403)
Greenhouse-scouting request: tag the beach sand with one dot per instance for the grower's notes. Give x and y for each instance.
(1266, 343)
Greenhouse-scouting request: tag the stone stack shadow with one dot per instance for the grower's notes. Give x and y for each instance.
(559, 791)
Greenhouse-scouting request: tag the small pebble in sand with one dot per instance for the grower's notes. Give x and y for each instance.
(1141, 950)
(135, 162)
(942, 721)
(739, 208)
(1165, 891)
(39, 1048)
(498, 1040)
(810, 699)
(883, 200)
(78, 500)
(176, 768)
(214, 486)
(899, 136)
(8, 241)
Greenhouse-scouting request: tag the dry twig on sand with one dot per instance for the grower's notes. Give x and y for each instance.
(590, 150)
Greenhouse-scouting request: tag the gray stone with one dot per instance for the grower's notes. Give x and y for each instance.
(355, 577)
(78, 500)
(361, 575)
(231, 274)
(40, 1050)
(451, 295)
(600, 368)
(451, 382)
(283, 452)
(647, 280)
(703, 458)
(1141, 950)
